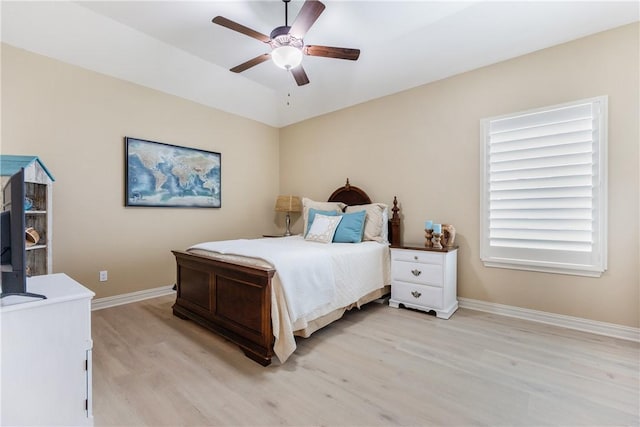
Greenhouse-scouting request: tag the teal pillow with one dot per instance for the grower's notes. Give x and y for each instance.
(350, 228)
(312, 215)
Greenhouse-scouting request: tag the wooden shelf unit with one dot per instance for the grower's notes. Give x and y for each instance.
(38, 188)
(39, 257)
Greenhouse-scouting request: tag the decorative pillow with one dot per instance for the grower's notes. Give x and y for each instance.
(350, 228)
(323, 228)
(312, 215)
(374, 223)
(323, 206)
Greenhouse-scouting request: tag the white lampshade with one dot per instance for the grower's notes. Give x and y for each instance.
(286, 57)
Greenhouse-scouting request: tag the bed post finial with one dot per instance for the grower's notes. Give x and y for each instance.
(394, 235)
(347, 185)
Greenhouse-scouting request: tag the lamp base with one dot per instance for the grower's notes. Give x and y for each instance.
(287, 222)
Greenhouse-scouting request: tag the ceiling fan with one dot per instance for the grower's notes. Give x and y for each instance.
(287, 44)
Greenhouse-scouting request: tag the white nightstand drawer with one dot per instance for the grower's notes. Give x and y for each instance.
(425, 296)
(414, 272)
(416, 256)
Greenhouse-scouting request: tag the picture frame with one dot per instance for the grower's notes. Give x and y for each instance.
(166, 175)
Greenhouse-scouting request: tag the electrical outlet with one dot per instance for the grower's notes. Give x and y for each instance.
(103, 276)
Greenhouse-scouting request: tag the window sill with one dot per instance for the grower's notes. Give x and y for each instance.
(544, 269)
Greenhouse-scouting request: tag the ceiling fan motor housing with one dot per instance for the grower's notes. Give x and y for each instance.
(280, 37)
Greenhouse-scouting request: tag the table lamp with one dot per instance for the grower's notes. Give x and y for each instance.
(288, 204)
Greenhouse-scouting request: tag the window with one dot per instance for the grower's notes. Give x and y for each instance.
(543, 203)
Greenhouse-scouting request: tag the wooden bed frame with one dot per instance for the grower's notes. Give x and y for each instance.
(235, 300)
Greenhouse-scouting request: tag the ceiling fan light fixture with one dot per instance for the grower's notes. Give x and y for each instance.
(286, 57)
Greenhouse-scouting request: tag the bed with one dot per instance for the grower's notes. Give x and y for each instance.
(243, 299)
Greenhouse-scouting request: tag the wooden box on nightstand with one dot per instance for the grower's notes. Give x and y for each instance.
(425, 279)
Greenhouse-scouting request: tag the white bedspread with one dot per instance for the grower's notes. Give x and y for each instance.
(355, 270)
(304, 268)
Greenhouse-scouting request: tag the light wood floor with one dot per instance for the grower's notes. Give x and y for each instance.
(377, 366)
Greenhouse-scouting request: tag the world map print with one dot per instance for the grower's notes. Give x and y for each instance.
(167, 175)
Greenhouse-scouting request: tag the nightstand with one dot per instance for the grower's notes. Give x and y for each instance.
(425, 279)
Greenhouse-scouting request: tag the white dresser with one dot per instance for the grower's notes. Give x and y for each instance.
(424, 279)
(46, 354)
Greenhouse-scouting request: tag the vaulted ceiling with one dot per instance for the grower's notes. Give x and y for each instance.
(173, 46)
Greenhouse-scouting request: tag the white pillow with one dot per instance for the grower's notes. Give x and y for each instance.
(375, 226)
(323, 228)
(321, 206)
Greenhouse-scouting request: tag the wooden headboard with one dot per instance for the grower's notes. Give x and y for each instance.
(351, 195)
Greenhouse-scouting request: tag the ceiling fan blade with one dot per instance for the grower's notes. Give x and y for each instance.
(332, 52)
(311, 10)
(251, 63)
(220, 20)
(300, 75)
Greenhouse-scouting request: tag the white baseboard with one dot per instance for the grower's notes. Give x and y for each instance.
(578, 323)
(100, 303)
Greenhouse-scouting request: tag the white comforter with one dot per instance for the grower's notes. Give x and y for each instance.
(312, 279)
(305, 269)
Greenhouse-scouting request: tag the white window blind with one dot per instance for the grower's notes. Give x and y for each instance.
(543, 195)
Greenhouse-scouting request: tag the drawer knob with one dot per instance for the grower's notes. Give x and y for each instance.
(416, 272)
(416, 294)
(415, 257)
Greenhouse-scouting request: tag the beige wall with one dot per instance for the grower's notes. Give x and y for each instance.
(423, 146)
(75, 121)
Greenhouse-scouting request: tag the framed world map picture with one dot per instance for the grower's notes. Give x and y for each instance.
(165, 175)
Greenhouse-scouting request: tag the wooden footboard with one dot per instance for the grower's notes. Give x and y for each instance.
(229, 299)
